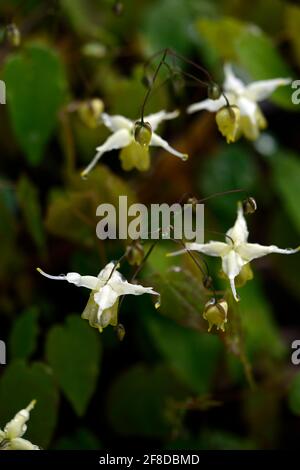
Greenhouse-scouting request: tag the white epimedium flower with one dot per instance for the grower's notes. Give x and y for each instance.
(133, 155)
(245, 97)
(107, 287)
(236, 252)
(11, 437)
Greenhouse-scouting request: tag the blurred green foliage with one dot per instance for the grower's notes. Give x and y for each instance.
(169, 383)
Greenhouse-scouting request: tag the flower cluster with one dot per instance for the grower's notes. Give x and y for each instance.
(237, 113)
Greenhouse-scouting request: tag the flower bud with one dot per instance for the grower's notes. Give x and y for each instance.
(118, 8)
(120, 330)
(249, 205)
(147, 81)
(192, 200)
(142, 133)
(213, 91)
(13, 35)
(17, 426)
(90, 111)
(215, 312)
(208, 282)
(228, 121)
(135, 253)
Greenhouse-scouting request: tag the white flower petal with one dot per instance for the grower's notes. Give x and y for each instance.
(17, 427)
(211, 248)
(90, 282)
(250, 251)
(109, 272)
(105, 298)
(156, 118)
(238, 233)
(247, 108)
(22, 444)
(117, 122)
(262, 89)
(119, 139)
(125, 288)
(232, 264)
(231, 82)
(209, 105)
(157, 141)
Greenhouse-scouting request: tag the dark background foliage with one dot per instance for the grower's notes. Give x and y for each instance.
(169, 383)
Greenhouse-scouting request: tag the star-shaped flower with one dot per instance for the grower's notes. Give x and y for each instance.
(133, 154)
(11, 436)
(245, 97)
(236, 252)
(107, 287)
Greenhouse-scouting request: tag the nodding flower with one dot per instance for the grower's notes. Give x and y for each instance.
(246, 98)
(107, 287)
(236, 252)
(134, 138)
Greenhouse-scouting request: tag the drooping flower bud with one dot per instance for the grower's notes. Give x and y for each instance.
(249, 205)
(135, 253)
(192, 200)
(90, 111)
(208, 282)
(215, 312)
(13, 35)
(147, 81)
(228, 121)
(213, 91)
(120, 330)
(118, 8)
(142, 133)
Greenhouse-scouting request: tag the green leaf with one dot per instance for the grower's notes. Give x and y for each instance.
(192, 355)
(249, 48)
(232, 168)
(223, 440)
(262, 412)
(294, 395)
(164, 17)
(23, 337)
(36, 87)
(30, 206)
(215, 439)
(262, 336)
(182, 296)
(125, 94)
(21, 383)
(87, 19)
(81, 439)
(72, 213)
(285, 268)
(139, 399)
(215, 30)
(257, 54)
(292, 26)
(10, 263)
(74, 353)
(286, 175)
